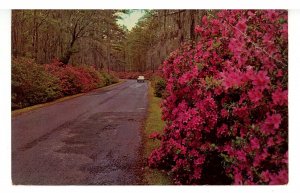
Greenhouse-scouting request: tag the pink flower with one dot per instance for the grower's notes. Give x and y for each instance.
(285, 158)
(238, 178)
(241, 25)
(232, 79)
(198, 29)
(270, 142)
(223, 130)
(204, 20)
(257, 160)
(261, 80)
(279, 179)
(240, 112)
(271, 124)
(279, 73)
(265, 176)
(224, 113)
(255, 143)
(255, 95)
(241, 155)
(280, 97)
(197, 172)
(200, 160)
(155, 135)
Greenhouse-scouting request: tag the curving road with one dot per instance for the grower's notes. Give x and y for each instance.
(91, 139)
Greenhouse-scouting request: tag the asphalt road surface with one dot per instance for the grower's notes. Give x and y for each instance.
(92, 139)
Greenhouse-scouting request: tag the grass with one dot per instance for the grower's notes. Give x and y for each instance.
(34, 107)
(153, 124)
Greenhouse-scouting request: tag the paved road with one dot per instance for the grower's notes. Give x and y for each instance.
(91, 139)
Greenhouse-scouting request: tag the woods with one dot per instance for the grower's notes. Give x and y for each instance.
(72, 36)
(157, 34)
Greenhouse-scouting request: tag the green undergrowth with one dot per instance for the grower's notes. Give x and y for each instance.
(153, 124)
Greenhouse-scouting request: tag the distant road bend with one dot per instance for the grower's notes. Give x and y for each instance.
(91, 139)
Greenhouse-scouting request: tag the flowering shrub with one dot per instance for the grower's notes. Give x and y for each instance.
(226, 107)
(75, 79)
(34, 83)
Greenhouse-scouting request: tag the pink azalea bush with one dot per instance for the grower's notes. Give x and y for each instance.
(75, 79)
(226, 105)
(34, 83)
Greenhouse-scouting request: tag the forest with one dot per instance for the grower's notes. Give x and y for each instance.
(93, 37)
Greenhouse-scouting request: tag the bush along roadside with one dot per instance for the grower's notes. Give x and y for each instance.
(35, 83)
(226, 105)
(159, 85)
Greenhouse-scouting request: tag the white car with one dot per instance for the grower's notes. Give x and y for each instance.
(141, 79)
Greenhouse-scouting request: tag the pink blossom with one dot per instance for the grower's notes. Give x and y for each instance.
(223, 130)
(255, 143)
(154, 135)
(270, 142)
(265, 176)
(241, 112)
(224, 113)
(238, 178)
(285, 158)
(261, 80)
(255, 95)
(279, 179)
(198, 29)
(241, 25)
(200, 160)
(271, 124)
(280, 97)
(197, 172)
(232, 79)
(204, 20)
(257, 160)
(279, 73)
(241, 155)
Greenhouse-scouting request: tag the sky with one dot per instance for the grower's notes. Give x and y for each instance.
(130, 20)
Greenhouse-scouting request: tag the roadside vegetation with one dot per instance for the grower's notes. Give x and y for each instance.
(34, 83)
(154, 124)
(159, 85)
(226, 103)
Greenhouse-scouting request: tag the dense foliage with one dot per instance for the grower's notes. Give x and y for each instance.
(35, 83)
(32, 84)
(159, 86)
(73, 36)
(226, 109)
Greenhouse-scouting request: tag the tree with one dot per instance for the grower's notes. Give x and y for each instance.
(72, 36)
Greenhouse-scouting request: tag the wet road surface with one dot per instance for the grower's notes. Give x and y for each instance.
(92, 139)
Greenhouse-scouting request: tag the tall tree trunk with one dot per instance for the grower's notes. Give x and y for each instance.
(108, 48)
(192, 26)
(152, 65)
(66, 58)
